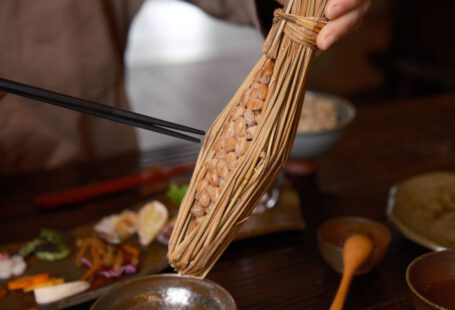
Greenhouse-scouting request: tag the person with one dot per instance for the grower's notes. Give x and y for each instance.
(76, 47)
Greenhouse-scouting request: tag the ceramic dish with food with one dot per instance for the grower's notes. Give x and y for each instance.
(423, 209)
(56, 270)
(322, 123)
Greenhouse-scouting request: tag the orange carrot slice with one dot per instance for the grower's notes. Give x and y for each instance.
(23, 282)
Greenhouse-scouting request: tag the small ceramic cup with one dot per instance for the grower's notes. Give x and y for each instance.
(431, 279)
(333, 233)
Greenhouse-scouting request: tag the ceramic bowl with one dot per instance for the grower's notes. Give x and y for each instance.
(333, 233)
(166, 291)
(416, 206)
(310, 145)
(431, 279)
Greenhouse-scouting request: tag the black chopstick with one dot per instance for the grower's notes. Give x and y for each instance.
(99, 110)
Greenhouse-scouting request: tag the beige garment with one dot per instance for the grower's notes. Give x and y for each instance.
(258, 13)
(70, 46)
(236, 11)
(74, 47)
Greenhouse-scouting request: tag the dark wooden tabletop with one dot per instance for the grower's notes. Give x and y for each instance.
(385, 144)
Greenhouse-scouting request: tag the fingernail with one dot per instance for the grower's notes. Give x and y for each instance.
(335, 10)
(329, 40)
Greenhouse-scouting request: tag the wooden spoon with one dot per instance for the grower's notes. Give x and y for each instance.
(356, 251)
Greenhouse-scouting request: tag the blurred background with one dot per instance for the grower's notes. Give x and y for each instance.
(402, 50)
(175, 45)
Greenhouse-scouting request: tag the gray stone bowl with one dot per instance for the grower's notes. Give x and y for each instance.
(311, 145)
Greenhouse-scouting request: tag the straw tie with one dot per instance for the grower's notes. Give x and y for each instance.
(301, 29)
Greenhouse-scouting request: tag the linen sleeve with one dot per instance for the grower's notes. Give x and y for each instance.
(257, 13)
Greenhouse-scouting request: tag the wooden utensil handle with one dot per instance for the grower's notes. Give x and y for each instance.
(90, 191)
(342, 292)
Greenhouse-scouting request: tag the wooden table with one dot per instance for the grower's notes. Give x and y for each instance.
(385, 144)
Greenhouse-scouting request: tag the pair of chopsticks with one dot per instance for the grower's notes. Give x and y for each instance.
(99, 110)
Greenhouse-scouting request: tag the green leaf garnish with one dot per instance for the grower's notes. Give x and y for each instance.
(176, 193)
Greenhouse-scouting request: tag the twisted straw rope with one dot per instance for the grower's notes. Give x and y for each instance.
(301, 29)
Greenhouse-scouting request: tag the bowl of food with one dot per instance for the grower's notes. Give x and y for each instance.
(422, 208)
(333, 233)
(431, 279)
(322, 122)
(166, 291)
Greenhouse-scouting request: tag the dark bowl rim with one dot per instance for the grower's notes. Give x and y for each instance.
(339, 101)
(163, 275)
(411, 286)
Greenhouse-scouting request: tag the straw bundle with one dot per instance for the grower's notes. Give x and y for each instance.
(248, 143)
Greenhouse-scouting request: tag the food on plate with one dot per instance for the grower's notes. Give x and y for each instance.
(424, 208)
(106, 259)
(317, 115)
(176, 193)
(147, 223)
(50, 282)
(27, 281)
(50, 245)
(11, 266)
(118, 227)
(152, 218)
(30, 247)
(95, 256)
(45, 295)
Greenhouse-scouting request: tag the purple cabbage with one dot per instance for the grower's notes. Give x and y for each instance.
(165, 234)
(111, 272)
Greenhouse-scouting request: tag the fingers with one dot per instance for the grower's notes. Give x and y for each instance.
(336, 8)
(339, 26)
(344, 15)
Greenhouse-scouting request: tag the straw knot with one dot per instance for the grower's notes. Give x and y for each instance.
(302, 29)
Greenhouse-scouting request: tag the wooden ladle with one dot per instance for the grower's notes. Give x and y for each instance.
(356, 251)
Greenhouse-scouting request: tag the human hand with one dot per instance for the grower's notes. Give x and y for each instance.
(343, 16)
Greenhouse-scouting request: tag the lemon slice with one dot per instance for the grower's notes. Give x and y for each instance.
(152, 218)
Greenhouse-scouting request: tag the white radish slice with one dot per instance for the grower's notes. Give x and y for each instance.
(45, 295)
